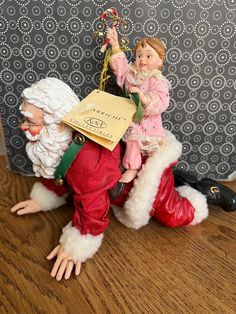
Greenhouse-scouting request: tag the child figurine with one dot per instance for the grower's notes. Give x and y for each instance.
(145, 78)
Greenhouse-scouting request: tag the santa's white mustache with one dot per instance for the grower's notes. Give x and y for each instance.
(32, 138)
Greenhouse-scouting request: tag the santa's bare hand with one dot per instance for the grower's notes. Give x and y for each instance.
(26, 207)
(64, 263)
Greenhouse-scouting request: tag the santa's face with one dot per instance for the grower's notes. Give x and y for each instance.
(47, 142)
(33, 123)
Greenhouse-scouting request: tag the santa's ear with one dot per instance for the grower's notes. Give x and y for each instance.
(60, 127)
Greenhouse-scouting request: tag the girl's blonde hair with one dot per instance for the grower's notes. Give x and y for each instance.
(155, 43)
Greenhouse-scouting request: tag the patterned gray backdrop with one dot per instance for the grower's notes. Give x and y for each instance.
(40, 38)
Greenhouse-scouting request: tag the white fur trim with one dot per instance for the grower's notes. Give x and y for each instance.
(197, 200)
(136, 211)
(80, 247)
(45, 198)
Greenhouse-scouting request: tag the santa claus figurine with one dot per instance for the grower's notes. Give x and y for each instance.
(91, 172)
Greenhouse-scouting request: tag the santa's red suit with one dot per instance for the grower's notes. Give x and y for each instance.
(94, 171)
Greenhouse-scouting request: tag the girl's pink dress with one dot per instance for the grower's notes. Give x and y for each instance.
(149, 132)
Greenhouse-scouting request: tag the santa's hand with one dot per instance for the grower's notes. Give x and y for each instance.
(26, 207)
(64, 263)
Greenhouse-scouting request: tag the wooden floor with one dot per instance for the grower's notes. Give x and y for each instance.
(152, 270)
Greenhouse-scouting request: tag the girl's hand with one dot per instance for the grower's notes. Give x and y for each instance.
(143, 99)
(64, 263)
(113, 38)
(136, 90)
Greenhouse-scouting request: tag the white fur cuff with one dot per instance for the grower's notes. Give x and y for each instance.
(130, 217)
(45, 198)
(197, 200)
(80, 247)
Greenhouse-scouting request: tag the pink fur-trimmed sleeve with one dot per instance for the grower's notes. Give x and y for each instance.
(119, 65)
(159, 97)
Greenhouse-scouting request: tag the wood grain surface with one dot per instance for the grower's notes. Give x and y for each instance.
(152, 270)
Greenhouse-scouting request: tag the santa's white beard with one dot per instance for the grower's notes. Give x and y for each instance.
(46, 152)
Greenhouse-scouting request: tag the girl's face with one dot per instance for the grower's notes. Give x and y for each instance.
(147, 59)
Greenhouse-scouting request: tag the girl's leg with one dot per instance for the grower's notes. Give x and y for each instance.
(132, 161)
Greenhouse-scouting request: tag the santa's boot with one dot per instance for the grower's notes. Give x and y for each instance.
(183, 177)
(215, 192)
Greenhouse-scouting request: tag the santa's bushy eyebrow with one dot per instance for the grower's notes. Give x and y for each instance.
(27, 114)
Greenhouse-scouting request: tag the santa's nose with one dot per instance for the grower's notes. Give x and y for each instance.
(24, 126)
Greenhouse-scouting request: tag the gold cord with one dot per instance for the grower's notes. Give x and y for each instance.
(104, 76)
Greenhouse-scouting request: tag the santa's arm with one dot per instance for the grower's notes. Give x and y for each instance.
(44, 196)
(82, 237)
(49, 195)
(93, 172)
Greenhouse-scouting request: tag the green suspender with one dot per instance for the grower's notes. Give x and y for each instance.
(134, 97)
(68, 157)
